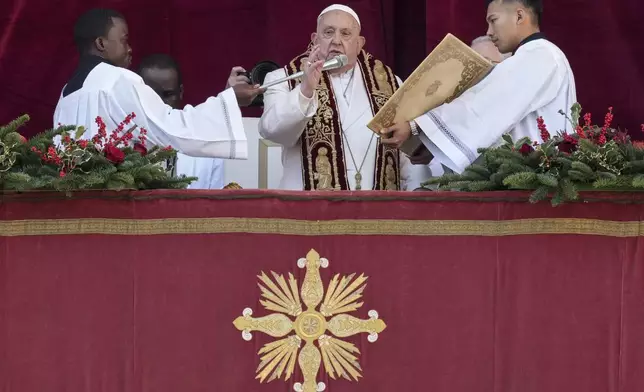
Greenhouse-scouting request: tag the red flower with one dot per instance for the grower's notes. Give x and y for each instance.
(568, 145)
(114, 154)
(23, 139)
(83, 143)
(526, 149)
(169, 148)
(639, 144)
(545, 135)
(140, 148)
(62, 173)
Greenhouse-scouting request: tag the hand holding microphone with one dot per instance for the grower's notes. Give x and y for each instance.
(312, 72)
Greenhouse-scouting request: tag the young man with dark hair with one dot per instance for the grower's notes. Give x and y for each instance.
(102, 86)
(161, 72)
(536, 81)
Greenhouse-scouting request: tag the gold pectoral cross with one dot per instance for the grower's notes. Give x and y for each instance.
(358, 178)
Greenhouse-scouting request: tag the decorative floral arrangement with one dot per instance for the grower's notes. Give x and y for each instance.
(594, 157)
(54, 160)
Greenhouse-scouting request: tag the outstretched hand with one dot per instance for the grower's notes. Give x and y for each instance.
(244, 91)
(396, 135)
(312, 69)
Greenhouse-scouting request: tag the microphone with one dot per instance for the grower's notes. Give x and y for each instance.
(335, 63)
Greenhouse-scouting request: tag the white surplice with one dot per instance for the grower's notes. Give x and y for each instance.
(286, 113)
(536, 81)
(211, 129)
(210, 171)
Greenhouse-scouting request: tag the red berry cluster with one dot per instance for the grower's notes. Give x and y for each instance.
(545, 135)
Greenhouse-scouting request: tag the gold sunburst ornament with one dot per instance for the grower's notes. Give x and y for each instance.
(278, 358)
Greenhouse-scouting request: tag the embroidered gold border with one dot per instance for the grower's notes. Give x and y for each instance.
(295, 227)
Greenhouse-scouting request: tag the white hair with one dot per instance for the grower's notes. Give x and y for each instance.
(484, 38)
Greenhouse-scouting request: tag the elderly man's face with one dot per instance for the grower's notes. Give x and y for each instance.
(339, 33)
(488, 50)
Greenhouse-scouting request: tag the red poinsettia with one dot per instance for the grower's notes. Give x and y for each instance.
(140, 148)
(114, 154)
(568, 145)
(526, 149)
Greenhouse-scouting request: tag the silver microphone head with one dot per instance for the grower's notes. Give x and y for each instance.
(338, 61)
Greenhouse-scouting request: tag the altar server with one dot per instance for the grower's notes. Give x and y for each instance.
(321, 122)
(102, 86)
(162, 73)
(535, 81)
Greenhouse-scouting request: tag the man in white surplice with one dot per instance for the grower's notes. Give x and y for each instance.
(321, 122)
(102, 86)
(536, 81)
(163, 74)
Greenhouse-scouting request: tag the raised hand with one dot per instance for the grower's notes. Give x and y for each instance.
(312, 72)
(235, 78)
(244, 92)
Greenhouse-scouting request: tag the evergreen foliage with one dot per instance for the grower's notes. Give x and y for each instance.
(594, 157)
(54, 160)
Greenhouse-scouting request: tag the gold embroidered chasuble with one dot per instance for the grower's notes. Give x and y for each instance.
(323, 155)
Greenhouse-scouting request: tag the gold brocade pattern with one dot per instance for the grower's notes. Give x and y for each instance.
(296, 227)
(310, 326)
(323, 131)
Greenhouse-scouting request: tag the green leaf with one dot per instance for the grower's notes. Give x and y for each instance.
(523, 180)
(79, 132)
(548, 180)
(522, 141)
(480, 186)
(539, 194)
(557, 199)
(582, 167)
(575, 114)
(568, 189)
(508, 139)
(587, 146)
(607, 175)
(578, 176)
(605, 183)
(638, 181)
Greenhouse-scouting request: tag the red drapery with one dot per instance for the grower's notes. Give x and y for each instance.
(603, 40)
(480, 292)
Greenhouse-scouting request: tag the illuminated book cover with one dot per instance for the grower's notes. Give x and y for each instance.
(449, 70)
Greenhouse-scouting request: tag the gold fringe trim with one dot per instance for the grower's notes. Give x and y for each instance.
(361, 227)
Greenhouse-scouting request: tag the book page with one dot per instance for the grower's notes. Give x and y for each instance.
(449, 70)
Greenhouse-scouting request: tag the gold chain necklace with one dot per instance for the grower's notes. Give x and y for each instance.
(358, 175)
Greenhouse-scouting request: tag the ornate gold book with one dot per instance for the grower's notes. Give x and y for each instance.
(449, 70)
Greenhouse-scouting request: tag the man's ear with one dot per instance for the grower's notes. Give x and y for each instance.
(521, 16)
(181, 92)
(314, 38)
(361, 42)
(99, 43)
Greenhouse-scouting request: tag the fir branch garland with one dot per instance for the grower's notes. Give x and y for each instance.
(115, 161)
(594, 157)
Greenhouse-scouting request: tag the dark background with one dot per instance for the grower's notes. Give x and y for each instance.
(602, 39)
